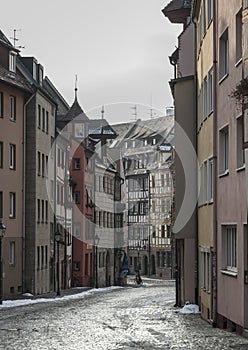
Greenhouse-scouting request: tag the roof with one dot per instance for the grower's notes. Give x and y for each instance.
(4, 40)
(75, 112)
(144, 129)
(63, 106)
(14, 79)
(178, 10)
(100, 128)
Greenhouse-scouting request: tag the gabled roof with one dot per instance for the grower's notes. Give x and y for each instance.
(4, 40)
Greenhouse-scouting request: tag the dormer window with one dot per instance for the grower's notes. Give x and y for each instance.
(40, 74)
(12, 61)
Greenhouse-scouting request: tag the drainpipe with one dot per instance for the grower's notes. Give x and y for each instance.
(196, 149)
(24, 191)
(214, 263)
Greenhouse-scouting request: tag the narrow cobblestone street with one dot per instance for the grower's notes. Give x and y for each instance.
(126, 318)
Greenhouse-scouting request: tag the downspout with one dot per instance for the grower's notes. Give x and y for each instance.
(196, 149)
(24, 192)
(214, 262)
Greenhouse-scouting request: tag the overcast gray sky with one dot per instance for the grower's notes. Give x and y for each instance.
(118, 49)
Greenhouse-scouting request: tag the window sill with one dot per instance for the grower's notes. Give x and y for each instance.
(229, 273)
(241, 168)
(223, 78)
(224, 174)
(238, 62)
(12, 120)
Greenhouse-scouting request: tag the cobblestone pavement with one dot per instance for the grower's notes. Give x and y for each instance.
(128, 318)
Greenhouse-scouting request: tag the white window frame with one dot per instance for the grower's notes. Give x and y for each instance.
(12, 253)
(230, 248)
(224, 150)
(12, 108)
(224, 55)
(12, 204)
(12, 156)
(12, 61)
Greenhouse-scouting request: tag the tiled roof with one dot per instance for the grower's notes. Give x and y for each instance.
(14, 79)
(75, 112)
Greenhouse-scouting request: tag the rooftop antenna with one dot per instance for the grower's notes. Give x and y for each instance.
(102, 112)
(151, 110)
(15, 39)
(76, 87)
(135, 112)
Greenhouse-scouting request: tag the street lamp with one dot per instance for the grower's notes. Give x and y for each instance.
(2, 232)
(57, 239)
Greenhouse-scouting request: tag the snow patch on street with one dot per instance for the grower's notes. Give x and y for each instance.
(23, 302)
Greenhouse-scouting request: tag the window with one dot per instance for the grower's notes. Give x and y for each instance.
(12, 156)
(39, 116)
(46, 211)
(240, 150)
(38, 258)
(206, 270)
(12, 204)
(76, 197)
(1, 205)
(230, 247)
(210, 10)
(47, 122)
(39, 161)
(12, 61)
(43, 165)
(42, 210)
(1, 104)
(46, 256)
(38, 210)
(79, 130)
(77, 163)
(12, 108)
(12, 253)
(205, 98)
(163, 231)
(204, 16)
(239, 36)
(223, 150)
(223, 55)
(210, 91)
(46, 166)
(43, 120)
(77, 229)
(205, 182)
(42, 257)
(1, 154)
(210, 180)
